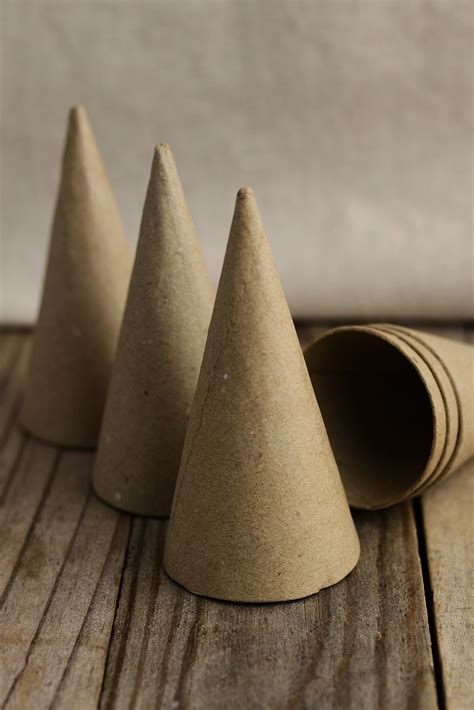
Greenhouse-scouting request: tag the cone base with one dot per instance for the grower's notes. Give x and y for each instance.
(122, 505)
(270, 598)
(80, 444)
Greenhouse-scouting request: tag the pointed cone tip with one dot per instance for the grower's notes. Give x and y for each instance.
(163, 160)
(246, 213)
(245, 193)
(162, 149)
(77, 115)
(79, 127)
(246, 202)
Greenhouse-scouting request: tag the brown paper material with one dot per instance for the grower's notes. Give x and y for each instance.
(259, 512)
(458, 360)
(84, 293)
(449, 398)
(384, 403)
(159, 353)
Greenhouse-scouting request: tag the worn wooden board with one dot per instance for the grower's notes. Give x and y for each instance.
(448, 524)
(362, 643)
(88, 618)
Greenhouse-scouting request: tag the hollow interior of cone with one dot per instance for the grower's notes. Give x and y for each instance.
(377, 414)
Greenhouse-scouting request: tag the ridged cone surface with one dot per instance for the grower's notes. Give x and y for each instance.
(449, 398)
(360, 374)
(159, 354)
(458, 359)
(83, 298)
(259, 512)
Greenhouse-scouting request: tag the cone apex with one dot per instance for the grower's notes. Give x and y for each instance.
(77, 112)
(78, 121)
(247, 234)
(245, 193)
(246, 204)
(162, 148)
(164, 174)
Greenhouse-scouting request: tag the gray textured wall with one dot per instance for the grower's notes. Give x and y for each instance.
(351, 120)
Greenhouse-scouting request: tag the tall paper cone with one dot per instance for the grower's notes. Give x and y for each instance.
(83, 298)
(384, 414)
(159, 353)
(259, 512)
(458, 360)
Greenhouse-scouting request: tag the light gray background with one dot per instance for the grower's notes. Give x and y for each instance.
(352, 121)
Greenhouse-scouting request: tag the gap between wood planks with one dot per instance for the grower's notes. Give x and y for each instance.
(428, 590)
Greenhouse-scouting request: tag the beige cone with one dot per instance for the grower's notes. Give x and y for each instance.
(458, 360)
(83, 298)
(384, 402)
(259, 512)
(450, 403)
(159, 353)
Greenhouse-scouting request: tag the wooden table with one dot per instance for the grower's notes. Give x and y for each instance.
(88, 617)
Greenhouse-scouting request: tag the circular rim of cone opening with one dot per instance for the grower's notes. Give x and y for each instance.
(383, 410)
(450, 400)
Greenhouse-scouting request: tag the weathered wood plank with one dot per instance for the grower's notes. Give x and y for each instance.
(449, 530)
(54, 585)
(65, 660)
(362, 643)
(14, 351)
(61, 560)
(82, 677)
(10, 341)
(32, 584)
(22, 503)
(448, 517)
(132, 628)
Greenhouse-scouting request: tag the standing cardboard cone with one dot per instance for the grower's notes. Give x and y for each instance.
(83, 299)
(259, 512)
(159, 354)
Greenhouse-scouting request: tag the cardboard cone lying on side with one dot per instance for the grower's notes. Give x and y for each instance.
(445, 386)
(457, 358)
(388, 398)
(83, 298)
(259, 511)
(159, 354)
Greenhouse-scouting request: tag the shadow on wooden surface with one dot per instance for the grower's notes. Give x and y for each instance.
(88, 617)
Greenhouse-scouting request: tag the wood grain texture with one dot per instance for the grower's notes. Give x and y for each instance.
(362, 643)
(14, 350)
(448, 521)
(61, 560)
(89, 619)
(51, 589)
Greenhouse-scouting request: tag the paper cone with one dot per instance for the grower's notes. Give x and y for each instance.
(159, 353)
(259, 512)
(384, 409)
(449, 398)
(457, 359)
(83, 299)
